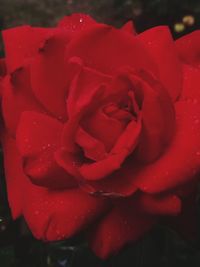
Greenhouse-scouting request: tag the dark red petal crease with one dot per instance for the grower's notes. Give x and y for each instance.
(166, 204)
(121, 150)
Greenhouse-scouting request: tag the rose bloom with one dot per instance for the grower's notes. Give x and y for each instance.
(101, 129)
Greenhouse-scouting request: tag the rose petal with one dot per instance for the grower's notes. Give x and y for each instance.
(104, 128)
(49, 75)
(129, 27)
(21, 43)
(188, 48)
(83, 85)
(38, 137)
(119, 183)
(50, 214)
(191, 79)
(56, 215)
(98, 43)
(124, 146)
(160, 204)
(160, 45)
(124, 224)
(93, 148)
(17, 97)
(158, 118)
(181, 161)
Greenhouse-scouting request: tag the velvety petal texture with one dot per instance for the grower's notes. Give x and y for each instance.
(100, 130)
(50, 214)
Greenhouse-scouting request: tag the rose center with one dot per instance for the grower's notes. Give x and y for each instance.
(109, 121)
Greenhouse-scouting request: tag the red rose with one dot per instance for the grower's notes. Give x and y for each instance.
(101, 128)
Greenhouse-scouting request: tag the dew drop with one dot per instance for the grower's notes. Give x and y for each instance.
(81, 20)
(36, 212)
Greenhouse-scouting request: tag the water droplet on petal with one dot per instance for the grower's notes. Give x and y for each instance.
(36, 212)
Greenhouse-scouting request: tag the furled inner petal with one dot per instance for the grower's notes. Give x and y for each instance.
(158, 118)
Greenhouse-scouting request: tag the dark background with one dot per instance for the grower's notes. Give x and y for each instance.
(162, 246)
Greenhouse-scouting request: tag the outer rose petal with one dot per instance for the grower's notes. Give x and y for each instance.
(17, 97)
(160, 45)
(122, 225)
(191, 81)
(22, 43)
(38, 137)
(181, 161)
(98, 43)
(129, 27)
(55, 215)
(50, 214)
(49, 74)
(188, 48)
